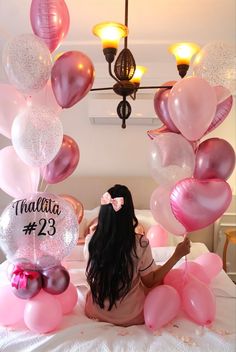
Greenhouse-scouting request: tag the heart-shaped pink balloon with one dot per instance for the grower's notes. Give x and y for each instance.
(222, 111)
(198, 203)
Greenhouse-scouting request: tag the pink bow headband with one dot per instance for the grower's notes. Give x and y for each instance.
(115, 202)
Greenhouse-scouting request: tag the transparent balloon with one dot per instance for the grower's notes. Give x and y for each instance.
(216, 62)
(37, 135)
(27, 62)
(171, 158)
(40, 226)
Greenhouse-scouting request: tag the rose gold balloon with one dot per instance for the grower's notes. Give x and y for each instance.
(76, 204)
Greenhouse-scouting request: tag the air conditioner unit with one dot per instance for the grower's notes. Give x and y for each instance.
(102, 110)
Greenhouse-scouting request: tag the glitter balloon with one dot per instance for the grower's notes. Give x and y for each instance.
(27, 62)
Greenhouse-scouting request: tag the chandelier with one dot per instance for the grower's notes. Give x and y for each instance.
(126, 74)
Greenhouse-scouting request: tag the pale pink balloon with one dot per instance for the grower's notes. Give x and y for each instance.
(12, 103)
(198, 302)
(50, 21)
(176, 278)
(198, 203)
(161, 305)
(192, 106)
(42, 313)
(222, 93)
(44, 97)
(16, 178)
(162, 212)
(211, 263)
(11, 307)
(222, 111)
(215, 158)
(191, 267)
(161, 106)
(171, 158)
(64, 163)
(68, 299)
(72, 78)
(157, 236)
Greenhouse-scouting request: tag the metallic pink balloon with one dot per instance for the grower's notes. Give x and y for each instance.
(198, 203)
(55, 280)
(215, 158)
(72, 78)
(153, 133)
(64, 163)
(76, 204)
(50, 21)
(161, 106)
(222, 111)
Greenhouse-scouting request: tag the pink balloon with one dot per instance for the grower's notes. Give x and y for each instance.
(192, 106)
(198, 203)
(157, 236)
(196, 270)
(153, 133)
(44, 97)
(64, 163)
(11, 307)
(176, 278)
(198, 302)
(43, 313)
(222, 93)
(16, 178)
(12, 103)
(222, 111)
(161, 306)
(215, 158)
(68, 299)
(50, 21)
(161, 106)
(211, 263)
(72, 77)
(161, 210)
(172, 158)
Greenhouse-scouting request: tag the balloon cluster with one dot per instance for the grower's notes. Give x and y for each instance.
(186, 288)
(37, 230)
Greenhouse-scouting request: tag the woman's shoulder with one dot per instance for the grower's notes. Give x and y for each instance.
(141, 241)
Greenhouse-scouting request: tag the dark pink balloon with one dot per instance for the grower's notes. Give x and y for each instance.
(64, 163)
(50, 21)
(161, 106)
(72, 78)
(222, 111)
(26, 283)
(55, 280)
(215, 158)
(198, 203)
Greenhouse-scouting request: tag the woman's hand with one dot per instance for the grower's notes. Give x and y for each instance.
(183, 248)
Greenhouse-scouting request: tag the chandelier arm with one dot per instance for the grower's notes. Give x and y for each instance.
(111, 74)
(126, 23)
(105, 88)
(154, 87)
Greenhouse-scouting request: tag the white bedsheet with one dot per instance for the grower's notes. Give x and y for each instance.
(78, 333)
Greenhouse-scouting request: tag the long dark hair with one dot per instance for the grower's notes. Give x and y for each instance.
(110, 266)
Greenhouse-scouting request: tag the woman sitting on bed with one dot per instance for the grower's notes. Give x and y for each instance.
(120, 265)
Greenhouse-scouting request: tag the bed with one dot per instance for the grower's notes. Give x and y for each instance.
(77, 333)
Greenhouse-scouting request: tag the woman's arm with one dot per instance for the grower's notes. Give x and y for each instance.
(156, 277)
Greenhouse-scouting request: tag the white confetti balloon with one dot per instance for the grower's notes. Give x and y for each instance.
(37, 135)
(27, 62)
(216, 63)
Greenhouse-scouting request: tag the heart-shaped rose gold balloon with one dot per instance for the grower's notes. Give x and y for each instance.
(198, 203)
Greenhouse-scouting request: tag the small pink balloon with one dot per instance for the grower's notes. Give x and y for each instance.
(192, 106)
(72, 78)
(153, 133)
(43, 313)
(195, 269)
(198, 302)
(50, 21)
(11, 307)
(157, 236)
(161, 106)
(215, 158)
(68, 299)
(222, 93)
(211, 263)
(222, 111)
(64, 163)
(161, 306)
(198, 203)
(176, 278)
(12, 103)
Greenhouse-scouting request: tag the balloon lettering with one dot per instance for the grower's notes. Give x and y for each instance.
(42, 204)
